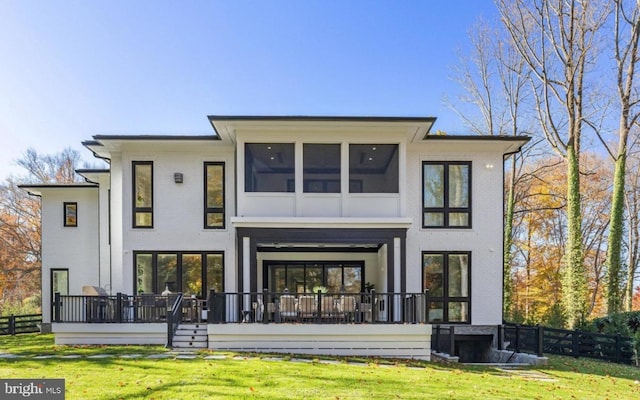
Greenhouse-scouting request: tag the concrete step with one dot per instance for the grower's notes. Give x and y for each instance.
(193, 326)
(188, 332)
(191, 336)
(190, 345)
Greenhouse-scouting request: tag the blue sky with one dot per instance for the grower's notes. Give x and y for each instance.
(73, 69)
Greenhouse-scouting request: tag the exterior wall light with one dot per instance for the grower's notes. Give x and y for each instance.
(177, 177)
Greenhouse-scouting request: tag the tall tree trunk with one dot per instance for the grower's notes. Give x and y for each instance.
(614, 287)
(574, 278)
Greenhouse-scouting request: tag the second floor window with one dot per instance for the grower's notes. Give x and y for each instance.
(142, 194)
(70, 214)
(269, 167)
(213, 195)
(446, 199)
(373, 168)
(321, 166)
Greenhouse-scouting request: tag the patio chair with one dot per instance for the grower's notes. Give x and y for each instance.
(328, 306)
(287, 307)
(347, 307)
(307, 306)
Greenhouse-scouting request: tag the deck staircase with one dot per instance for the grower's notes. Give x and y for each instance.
(191, 336)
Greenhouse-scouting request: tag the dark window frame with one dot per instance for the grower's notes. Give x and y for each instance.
(179, 281)
(134, 208)
(324, 264)
(52, 272)
(208, 210)
(446, 210)
(445, 299)
(65, 215)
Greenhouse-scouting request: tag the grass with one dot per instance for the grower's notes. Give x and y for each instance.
(257, 377)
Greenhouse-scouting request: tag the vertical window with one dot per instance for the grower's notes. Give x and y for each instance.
(213, 195)
(144, 273)
(373, 168)
(167, 272)
(215, 273)
(192, 274)
(142, 194)
(60, 281)
(70, 214)
(446, 199)
(447, 277)
(321, 168)
(269, 167)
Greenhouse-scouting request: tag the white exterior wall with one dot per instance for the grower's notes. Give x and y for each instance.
(72, 248)
(178, 208)
(483, 240)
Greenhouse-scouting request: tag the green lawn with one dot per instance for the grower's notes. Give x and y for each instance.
(250, 376)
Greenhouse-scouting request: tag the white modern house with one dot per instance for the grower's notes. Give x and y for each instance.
(338, 235)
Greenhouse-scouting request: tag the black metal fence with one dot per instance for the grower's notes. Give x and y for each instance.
(539, 340)
(111, 309)
(333, 308)
(15, 324)
(443, 339)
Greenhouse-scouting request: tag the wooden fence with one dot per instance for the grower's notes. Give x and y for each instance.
(20, 324)
(538, 339)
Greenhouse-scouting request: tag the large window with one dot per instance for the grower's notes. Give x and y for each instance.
(447, 276)
(142, 194)
(446, 199)
(213, 195)
(373, 168)
(307, 277)
(269, 167)
(321, 168)
(192, 273)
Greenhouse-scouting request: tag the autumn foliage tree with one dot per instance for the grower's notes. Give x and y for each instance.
(20, 229)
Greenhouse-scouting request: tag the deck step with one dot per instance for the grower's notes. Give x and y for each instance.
(191, 336)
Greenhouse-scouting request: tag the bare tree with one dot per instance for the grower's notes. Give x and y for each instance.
(557, 38)
(626, 38)
(494, 80)
(20, 251)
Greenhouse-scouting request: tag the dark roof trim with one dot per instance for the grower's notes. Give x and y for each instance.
(97, 138)
(317, 118)
(487, 138)
(93, 171)
(58, 186)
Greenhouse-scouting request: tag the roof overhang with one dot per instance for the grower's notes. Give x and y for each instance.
(103, 146)
(508, 144)
(38, 189)
(226, 126)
